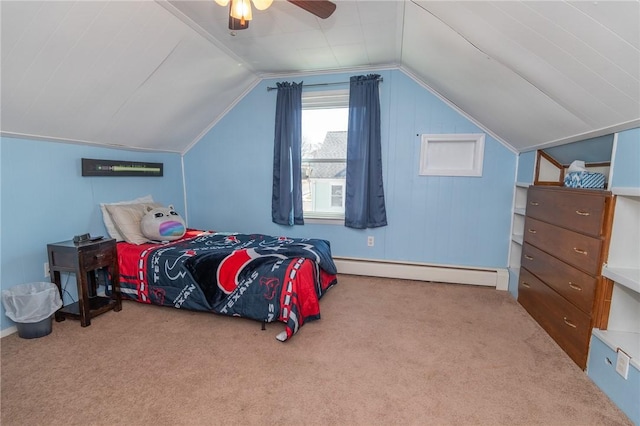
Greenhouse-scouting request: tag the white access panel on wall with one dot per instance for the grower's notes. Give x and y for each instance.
(452, 155)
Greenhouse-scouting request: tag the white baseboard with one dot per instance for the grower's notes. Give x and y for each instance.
(498, 278)
(8, 331)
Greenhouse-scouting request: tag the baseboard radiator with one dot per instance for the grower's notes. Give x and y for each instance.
(498, 278)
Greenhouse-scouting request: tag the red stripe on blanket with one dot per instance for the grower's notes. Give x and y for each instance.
(298, 287)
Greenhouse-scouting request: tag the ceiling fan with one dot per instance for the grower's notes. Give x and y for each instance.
(240, 10)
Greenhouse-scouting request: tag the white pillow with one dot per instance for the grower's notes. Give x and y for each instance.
(127, 218)
(106, 217)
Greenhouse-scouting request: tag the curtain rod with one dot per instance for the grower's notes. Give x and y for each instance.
(319, 84)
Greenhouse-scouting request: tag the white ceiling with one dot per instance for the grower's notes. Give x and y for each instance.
(158, 75)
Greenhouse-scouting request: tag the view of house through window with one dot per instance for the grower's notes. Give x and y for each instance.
(324, 153)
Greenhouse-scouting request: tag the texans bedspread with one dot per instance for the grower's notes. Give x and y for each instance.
(254, 276)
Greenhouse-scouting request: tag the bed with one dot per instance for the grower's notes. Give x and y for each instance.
(254, 276)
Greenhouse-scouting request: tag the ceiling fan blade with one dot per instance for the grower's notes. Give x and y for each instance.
(321, 8)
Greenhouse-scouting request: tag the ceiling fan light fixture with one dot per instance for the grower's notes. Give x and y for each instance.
(241, 9)
(236, 24)
(262, 4)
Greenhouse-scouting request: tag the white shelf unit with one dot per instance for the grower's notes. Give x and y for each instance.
(517, 230)
(519, 209)
(623, 268)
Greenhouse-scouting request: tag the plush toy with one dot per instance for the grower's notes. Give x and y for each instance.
(162, 224)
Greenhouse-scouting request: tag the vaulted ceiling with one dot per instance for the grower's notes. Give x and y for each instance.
(157, 75)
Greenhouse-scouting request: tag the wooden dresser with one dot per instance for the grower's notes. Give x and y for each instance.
(566, 240)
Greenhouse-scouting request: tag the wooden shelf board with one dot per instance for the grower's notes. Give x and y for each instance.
(628, 277)
(626, 191)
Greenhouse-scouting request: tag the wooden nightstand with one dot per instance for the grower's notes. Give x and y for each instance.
(83, 259)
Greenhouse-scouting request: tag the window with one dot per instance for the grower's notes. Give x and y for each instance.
(324, 153)
(337, 199)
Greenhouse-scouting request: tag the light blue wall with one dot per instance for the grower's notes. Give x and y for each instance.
(444, 220)
(526, 167)
(626, 164)
(45, 199)
(602, 370)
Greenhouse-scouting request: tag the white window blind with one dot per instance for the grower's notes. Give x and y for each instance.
(325, 99)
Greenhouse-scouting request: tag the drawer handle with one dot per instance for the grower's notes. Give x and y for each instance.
(569, 323)
(526, 256)
(98, 256)
(525, 284)
(532, 231)
(575, 286)
(581, 213)
(534, 203)
(580, 251)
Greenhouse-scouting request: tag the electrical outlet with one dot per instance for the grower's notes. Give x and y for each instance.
(622, 364)
(46, 269)
(370, 241)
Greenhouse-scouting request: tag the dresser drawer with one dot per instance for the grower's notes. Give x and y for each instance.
(566, 324)
(576, 286)
(576, 249)
(98, 257)
(576, 209)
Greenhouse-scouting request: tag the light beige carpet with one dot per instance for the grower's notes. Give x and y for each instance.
(386, 352)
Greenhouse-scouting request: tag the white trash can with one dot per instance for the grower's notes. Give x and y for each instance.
(31, 306)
